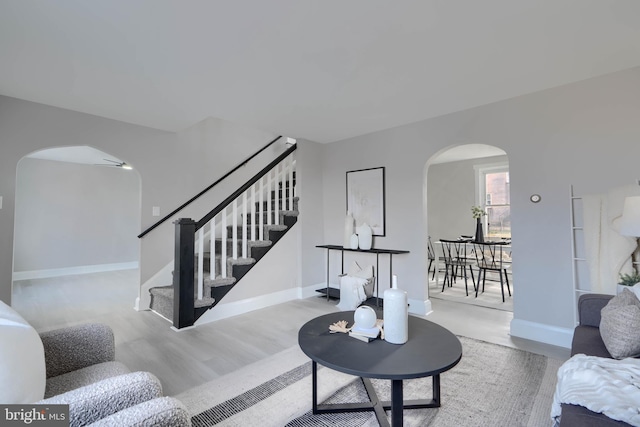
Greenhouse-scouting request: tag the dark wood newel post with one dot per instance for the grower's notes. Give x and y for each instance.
(183, 273)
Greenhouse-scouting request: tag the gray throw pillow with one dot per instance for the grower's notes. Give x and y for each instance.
(620, 325)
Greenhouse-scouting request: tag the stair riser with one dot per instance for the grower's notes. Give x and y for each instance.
(236, 269)
(281, 202)
(255, 219)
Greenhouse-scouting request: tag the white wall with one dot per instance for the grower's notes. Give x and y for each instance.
(451, 191)
(586, 134)
(309, 183)
(70, 215)
(173, 166)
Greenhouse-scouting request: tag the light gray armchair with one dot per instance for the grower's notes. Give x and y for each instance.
(82, 372)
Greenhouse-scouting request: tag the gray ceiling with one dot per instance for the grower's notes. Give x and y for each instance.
(320, 70)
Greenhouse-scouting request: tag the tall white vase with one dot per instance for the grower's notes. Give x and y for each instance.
(348, 230)
(365, 236)
(395, 314)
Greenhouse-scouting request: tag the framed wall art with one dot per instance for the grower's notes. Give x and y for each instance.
(366, 198)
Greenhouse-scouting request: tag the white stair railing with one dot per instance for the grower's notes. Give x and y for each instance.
(279, 195)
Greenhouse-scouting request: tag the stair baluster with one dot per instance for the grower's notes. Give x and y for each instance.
(267, 227)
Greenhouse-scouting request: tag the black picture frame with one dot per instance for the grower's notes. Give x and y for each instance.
(366, 198)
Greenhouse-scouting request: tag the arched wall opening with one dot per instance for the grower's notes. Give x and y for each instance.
(456, 179)
(75, 213)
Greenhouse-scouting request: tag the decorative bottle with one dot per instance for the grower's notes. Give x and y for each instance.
(479, 231)
(396, 314)
(348, 230)
(365, 237)
(353, 244)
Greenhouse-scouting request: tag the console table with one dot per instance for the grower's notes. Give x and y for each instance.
(377, 252)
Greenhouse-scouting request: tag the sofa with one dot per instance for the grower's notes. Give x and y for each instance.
(587, 340)
(76, 366)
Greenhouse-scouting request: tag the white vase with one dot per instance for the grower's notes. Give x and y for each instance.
(353, 241)
(348, 230)
(364, 317)
(365, 237)
(395, 314)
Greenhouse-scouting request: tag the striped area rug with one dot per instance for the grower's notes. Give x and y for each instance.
(491, 386)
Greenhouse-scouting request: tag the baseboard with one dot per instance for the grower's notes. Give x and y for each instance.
(548, 334)
(70, 271)
(420, 307)
(311, 291)
(416, 306)
(225, 310)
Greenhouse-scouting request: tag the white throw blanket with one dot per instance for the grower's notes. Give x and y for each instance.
(352, 292)
(607, 386)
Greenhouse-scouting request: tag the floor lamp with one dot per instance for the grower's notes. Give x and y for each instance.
(630, 221)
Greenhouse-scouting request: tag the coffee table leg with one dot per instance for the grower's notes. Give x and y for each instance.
(397, 403)
(436, 389)
(314, 387)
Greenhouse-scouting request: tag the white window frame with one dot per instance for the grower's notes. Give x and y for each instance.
(481, 172)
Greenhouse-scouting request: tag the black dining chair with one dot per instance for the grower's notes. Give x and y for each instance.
(490, 256)
(455, 257)
(432, 258)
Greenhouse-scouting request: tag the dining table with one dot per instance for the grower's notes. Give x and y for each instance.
(467, 240)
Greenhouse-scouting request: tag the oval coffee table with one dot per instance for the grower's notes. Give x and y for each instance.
(430, 350)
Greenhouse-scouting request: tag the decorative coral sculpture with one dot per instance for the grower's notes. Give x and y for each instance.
(339, 326)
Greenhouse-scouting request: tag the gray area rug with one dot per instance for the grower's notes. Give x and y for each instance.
(491, 386)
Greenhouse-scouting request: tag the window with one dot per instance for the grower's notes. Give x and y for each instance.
(494, 196)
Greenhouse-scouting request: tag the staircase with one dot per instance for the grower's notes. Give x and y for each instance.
(214, 253)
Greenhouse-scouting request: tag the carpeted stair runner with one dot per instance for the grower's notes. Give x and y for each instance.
(214, 289)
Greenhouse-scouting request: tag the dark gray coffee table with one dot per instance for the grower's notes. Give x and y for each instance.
(431, 350)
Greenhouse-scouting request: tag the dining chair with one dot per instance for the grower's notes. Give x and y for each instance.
(432, 258)
(490, 256)
(455, 257)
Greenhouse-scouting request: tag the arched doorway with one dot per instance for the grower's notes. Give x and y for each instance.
(77, 212)
(456, 179)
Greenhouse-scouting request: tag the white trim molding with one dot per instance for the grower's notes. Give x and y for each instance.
(225, 310)
(540, 332)
(70, 271)
(420, 307)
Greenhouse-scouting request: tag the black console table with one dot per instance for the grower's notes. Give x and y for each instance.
(377, 252)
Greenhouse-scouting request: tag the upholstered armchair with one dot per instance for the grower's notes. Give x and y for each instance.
(76, 366)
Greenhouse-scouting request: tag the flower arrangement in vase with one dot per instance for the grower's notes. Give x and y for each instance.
(628, 280)
(477, 212)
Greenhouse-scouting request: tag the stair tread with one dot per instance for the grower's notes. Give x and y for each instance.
(219, 286)
(220, 281)
(167, 292)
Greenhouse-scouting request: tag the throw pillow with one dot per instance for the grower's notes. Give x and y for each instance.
(620, 325)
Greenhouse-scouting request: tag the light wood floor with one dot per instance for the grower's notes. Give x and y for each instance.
(181, 360)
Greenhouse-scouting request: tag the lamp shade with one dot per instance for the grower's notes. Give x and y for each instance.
(630, 221)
